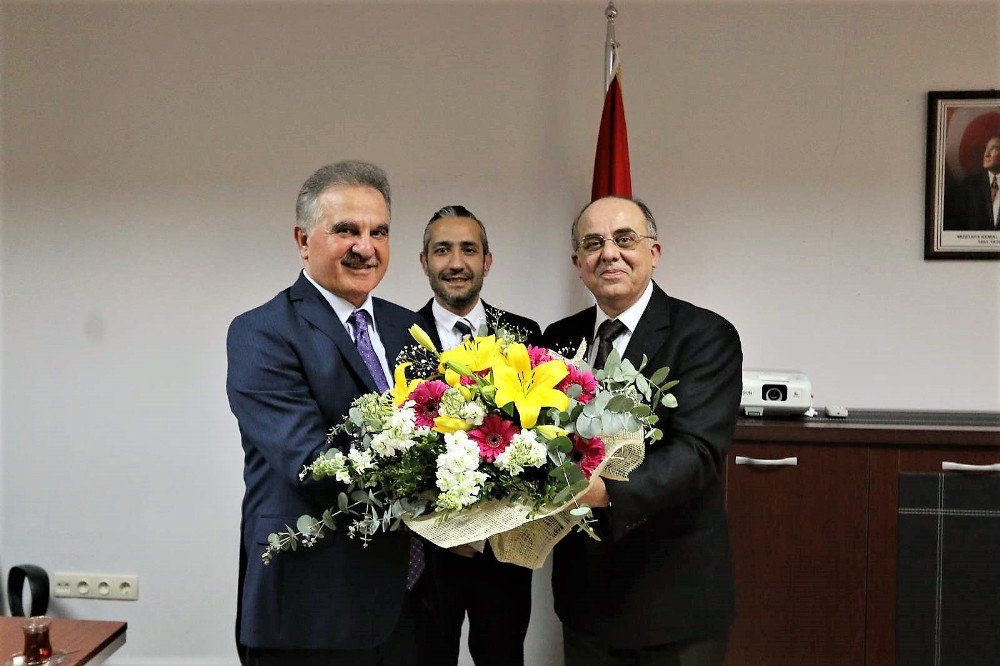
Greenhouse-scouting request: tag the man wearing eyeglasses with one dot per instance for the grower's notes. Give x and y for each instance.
(657, 589)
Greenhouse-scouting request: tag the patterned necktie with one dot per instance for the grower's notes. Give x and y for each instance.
(463, 327)
(606, 334)
(359, 319)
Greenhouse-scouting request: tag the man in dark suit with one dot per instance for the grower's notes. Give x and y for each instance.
(658, 588)
(295, 365)
(497, 596)
(976, 203)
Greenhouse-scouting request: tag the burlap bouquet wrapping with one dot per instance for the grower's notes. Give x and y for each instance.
(516, 534)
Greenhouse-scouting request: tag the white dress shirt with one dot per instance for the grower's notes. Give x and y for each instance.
(630, 318)
(996, 200)
(445, 321)
(343, 310)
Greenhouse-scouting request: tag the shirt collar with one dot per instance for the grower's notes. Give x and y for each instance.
(447, 319)
(341, 307)
(632, 315)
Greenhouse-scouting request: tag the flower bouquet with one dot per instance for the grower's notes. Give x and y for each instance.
(493, 440)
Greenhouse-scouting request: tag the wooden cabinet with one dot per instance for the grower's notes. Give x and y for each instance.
(813, 508)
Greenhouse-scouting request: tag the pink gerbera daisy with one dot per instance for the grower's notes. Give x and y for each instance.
(538, 355)
(583, 379)
(587, 453)
(427, 399)
(493, 436)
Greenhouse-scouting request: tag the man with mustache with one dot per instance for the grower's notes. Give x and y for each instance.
(295, 365)
(497, 596)
(658, 588)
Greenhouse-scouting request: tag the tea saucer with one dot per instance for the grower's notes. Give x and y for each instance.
(58, 657)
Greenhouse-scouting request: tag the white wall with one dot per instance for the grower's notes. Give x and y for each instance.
(151, 156)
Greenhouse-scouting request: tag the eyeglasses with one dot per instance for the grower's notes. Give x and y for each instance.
(625, 240)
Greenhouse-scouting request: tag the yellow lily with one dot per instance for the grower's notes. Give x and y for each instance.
(420, 335)
(550, 431)
(530, 389)
(476, 354)
(402, 388)
(449, 424)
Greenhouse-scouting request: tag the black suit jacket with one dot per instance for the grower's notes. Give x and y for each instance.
(293, 372)
(662, 573)
(971, 207)
(493, 314)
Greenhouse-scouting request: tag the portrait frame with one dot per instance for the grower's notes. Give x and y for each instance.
(959, 127)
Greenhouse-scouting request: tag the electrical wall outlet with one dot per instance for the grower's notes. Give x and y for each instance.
(121, 587)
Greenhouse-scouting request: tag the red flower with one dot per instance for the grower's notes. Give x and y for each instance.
(583, 379)
(427, 399)
(493, 436)
(538, 355)
(587, 453)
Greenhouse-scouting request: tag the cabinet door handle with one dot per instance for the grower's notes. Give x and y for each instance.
(773, 462)
(948, 466)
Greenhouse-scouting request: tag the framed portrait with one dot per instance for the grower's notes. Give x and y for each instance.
(963, 164)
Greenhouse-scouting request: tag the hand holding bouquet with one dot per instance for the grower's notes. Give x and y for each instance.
(493, 439)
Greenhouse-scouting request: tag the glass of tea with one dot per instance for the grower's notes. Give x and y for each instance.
(37, 646)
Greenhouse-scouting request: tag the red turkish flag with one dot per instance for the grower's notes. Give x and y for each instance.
(612, 176)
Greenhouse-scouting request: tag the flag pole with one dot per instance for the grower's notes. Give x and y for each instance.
(610, 46)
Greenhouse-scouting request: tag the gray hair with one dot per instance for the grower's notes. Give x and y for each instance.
(349, 173)
(455, 210)
(646, 213)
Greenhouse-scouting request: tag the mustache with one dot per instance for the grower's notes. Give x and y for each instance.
(444, 275)
(357, 261)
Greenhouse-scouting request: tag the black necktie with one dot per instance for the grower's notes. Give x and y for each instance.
(463, 327)
(606, 334)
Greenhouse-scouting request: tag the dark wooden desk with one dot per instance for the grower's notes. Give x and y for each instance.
(88, 641)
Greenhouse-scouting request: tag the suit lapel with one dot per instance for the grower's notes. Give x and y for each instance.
(430, 324)
(395, 333)
(649, 333)
(312, 307)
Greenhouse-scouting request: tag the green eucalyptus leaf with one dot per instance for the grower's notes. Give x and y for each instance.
(661, 374)
(640, 410)
(669, 385)
(655, 435)
(668, 400)
(306, 525)
(562, 444)
(574, 391)
(342, 502)
(274, 540)
(587, 427)
(580, 511)
(619, 403)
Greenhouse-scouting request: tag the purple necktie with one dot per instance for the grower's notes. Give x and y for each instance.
(359, 320)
